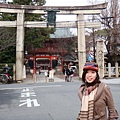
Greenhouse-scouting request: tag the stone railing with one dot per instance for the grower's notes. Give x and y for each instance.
(112, 71)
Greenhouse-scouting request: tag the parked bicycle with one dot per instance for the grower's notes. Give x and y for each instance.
(5, 76)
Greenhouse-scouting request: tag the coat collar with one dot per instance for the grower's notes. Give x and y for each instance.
(98, 93)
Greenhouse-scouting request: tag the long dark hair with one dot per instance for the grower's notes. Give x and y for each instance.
(97, 80)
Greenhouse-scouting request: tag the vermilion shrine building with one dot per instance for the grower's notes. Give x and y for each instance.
(52, 54)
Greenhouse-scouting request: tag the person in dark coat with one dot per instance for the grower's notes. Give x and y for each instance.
(96, 98)
(66, 73)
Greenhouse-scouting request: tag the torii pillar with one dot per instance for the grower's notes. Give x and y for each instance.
(81, 43)
(20, 46)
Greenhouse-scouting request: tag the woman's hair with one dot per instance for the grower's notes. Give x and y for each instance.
(97, 80)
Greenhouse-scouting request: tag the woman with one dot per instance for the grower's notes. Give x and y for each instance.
(67, 71)
(95, 96)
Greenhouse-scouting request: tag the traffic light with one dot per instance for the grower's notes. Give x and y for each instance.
(51, 17)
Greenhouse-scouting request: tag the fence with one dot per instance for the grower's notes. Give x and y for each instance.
(112, 71)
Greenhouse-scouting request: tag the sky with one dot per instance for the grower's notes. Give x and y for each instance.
(68, 3)
(62, 2)
(65, 3)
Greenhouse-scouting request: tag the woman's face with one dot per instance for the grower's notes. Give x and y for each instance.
(90, 76)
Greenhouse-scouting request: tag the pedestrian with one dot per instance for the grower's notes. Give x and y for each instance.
(68, 71)
(96, 98)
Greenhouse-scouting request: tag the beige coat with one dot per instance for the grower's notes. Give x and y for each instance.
(102, 99)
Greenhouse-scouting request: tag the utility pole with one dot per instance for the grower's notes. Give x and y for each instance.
(94, 51)
(114, 4)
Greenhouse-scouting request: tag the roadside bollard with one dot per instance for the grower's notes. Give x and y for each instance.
(34, 78)
(51, 75)
(46, 74)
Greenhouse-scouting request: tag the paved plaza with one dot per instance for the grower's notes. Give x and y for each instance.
(40, 78)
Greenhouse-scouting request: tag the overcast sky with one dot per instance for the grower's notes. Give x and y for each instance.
(63, 2)
(68, 3)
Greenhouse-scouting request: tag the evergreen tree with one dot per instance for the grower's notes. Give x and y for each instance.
(33, 36)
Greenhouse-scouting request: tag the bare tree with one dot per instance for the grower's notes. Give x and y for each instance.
(111, 22)
(7, 38)
(110, 18)
(67, 42)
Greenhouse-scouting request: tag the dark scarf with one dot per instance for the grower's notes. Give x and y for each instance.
(93, 83)
(89, 89)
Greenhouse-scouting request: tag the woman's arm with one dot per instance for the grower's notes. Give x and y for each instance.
(112, 112)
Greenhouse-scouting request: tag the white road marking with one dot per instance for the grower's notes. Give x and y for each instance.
(27, 89)
(28, 103)
(28, 94)
(47, 86)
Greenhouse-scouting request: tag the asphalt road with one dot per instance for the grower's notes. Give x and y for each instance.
(44, 101)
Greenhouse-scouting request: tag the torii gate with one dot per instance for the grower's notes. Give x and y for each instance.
(20, 10)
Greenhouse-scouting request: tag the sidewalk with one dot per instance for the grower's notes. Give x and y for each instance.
(111, 81)
(40, 78)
